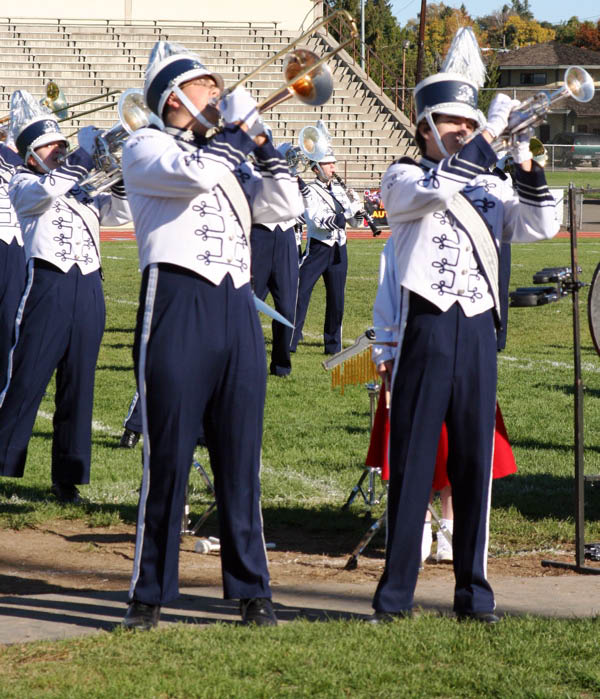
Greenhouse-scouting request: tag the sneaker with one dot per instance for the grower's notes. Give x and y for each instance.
(444, 549)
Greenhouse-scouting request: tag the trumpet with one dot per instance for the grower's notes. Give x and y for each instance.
(133, 115)
(578, 84)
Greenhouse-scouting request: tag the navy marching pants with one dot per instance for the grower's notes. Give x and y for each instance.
(12, 283)
(133, 419)
(59, 326)
(200, 361)
(330, 262)
(446, 371)
(275, 270)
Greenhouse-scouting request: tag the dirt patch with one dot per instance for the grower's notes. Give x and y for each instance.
(67, 554)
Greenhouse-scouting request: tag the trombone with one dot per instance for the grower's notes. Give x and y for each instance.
(134, 114)
(306, 76)
(56, 103)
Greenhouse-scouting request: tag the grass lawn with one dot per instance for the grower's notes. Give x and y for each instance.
(314, 446)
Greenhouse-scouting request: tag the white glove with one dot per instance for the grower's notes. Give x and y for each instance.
(257, 128)
(239, 106)
(519, 150)
(86, 138)
(498, 113)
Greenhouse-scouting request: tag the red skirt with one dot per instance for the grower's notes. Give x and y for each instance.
(377, 456)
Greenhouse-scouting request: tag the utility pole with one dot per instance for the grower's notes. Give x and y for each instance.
(421, 47)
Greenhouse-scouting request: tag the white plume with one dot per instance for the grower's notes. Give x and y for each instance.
(464, 57)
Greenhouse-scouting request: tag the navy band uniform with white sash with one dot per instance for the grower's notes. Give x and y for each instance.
(60, 318)
(328, 207)
(199, 351)
(435, 301)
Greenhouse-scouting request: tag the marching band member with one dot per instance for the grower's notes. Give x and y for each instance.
(12, 257)
(199, 351)
(438, 299)
(60, 319)
(274, 256)
(328, 208)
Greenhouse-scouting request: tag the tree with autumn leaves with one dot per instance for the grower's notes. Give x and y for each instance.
(511, 26)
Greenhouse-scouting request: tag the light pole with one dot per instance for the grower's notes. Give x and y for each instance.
(405, 46)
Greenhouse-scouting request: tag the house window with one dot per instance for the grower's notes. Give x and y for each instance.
(533, 78)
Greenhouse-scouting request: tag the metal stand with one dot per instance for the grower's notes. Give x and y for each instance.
(578, 566)
(371, 474)
(186, 529)
(352, 562)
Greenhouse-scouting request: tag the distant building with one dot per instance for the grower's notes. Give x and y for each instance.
(541, 67)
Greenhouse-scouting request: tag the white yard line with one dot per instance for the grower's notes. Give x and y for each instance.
(535, 364)
(96, 425)
(125, 302)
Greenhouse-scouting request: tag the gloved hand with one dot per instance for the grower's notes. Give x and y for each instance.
(257, 128)
(519, 150)
(86, 137)
(239, 106)
(498, 113)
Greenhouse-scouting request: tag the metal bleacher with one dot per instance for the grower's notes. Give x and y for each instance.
(90, 59)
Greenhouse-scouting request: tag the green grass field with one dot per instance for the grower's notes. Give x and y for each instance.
(314, 446)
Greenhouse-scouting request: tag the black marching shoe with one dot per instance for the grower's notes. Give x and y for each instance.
(66, 493)
(258, 611)
(129, 439)
(482, 617)
(388, 617)
(142, 617)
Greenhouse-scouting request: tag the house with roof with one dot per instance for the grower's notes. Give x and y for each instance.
(541, 68)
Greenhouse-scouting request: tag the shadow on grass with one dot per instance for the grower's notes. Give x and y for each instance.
(544, 496)
(21, 504)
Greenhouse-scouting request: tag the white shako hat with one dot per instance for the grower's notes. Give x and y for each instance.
(329, 157)
(31, 125)
(447, 93)
(169, 65)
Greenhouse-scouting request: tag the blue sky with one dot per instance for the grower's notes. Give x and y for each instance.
(549, 10)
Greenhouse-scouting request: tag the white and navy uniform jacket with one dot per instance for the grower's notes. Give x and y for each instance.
(323, 204)
(60, 222)
(60, 319)
(435, 301)
(327, 210)
(12, 258)
(199, 351)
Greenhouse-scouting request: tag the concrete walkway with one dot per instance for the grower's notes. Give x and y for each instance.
(75, 613)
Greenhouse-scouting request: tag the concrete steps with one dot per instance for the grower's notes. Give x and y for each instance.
(89, 59)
